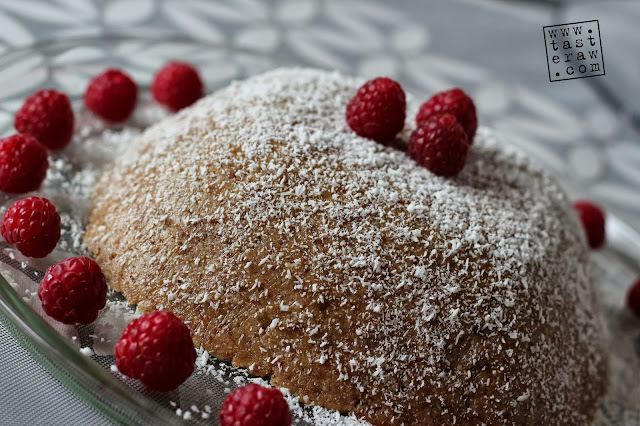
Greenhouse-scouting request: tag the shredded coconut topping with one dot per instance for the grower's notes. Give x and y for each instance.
(346, 272)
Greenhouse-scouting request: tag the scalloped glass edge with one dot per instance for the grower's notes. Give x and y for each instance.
(83, 376)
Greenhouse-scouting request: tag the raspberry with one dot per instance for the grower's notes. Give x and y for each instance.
(592, 217)
(377, 111)
(157, 349)
(112, 96)
(47, 116)
(32, 225)
(633, 298)
(440, 144)
(455, 102)
(23, 164)
(255, 405)
(177, 85)
(73, 291)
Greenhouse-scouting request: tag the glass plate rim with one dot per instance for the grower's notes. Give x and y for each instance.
(41, 338)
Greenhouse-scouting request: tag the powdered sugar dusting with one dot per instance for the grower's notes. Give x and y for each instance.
(305, 252)
(109, 326)
(232, 377)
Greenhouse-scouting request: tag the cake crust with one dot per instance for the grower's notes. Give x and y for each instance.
(348, 273)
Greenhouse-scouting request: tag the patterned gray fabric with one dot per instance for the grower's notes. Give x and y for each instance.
(31, 396)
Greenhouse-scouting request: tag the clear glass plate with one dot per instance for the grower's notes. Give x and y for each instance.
(68, 65)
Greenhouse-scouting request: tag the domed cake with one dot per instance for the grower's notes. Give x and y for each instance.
(345, 271)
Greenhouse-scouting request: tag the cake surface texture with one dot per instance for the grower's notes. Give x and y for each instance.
(348, 273)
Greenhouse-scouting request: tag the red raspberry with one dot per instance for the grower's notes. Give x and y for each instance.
(255, 405)
(456, 102)
(441, 145)
(73, 291)
(378, 109)
(23, 164)
(112, 96)
(177, 85)
(33, 225)
(592, 217)
(157, 349)
(47, 116)
(633, 298)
